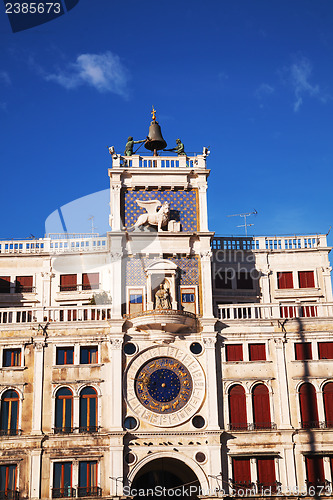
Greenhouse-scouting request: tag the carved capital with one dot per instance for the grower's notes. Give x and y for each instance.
(116, 256)
(279, 341)
(326, 270)
(116, 344)
(206, 255)
(209, 342)
(38, 346)
(202, 188)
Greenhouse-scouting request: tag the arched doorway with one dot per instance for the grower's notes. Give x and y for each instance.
(158, 476)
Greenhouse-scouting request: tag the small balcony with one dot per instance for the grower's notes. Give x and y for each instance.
(246, 426)
(66, 492)
(9, 495)
(10, 432)
(63, 430)
(170, 321)
(89, 491)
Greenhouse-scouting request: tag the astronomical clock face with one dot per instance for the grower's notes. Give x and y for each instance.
(164, 386)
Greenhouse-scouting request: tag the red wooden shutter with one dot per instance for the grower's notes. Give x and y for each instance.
(4, 284)
(237, 408)
(241, 471)
(285, 280)
(266, 472)
(68, 282)
(257, 352)
(325, 350)
(261, 407)
(306, 279)
(308, 404)
(314, 470)
(234, 352)
(90, 281)
(303, 350)
(24, 283)
(328, 403)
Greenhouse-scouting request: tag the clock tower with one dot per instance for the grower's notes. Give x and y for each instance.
(161, 258)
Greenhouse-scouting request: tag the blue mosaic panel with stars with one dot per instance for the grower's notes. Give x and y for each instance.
(188, 270)
(183, 206)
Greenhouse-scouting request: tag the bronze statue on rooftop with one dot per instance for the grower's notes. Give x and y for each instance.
(179, 149)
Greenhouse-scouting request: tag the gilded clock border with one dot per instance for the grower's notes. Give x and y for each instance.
(177, 417)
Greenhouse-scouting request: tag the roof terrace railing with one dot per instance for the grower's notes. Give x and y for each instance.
(269, 242)
(26, 315)
(56, 246)
(248, 311)
(194, 161)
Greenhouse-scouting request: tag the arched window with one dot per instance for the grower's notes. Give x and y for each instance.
(261, 407)
(64, 410)
(237, 408)
(9, 413)
(308, 405)
(88, 410)
(328, 403)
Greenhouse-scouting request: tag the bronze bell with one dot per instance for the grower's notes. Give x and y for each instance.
(156, 140)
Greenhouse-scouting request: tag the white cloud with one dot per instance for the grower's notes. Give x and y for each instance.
(264, 90)
(104, 72)
(299, 74)
(5, 78)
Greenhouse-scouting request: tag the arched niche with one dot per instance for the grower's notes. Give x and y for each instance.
(161, 271)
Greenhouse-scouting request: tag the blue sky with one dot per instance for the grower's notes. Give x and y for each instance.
(252, 79)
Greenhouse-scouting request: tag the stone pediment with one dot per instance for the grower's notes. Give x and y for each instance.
(162, 265)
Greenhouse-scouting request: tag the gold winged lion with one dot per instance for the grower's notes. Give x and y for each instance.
(153, 216)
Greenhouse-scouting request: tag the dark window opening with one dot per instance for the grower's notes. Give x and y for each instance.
(65, 355)
(306, 279)
(223, 279)
(325, 350)
(88, 355)
(244, 281)
(68, 282)
(303, 351)
(11, 357)
(4, 284)
(90, 281)
(23, 284)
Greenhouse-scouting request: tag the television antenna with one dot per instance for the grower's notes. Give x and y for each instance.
(245, 215)
(93, 227)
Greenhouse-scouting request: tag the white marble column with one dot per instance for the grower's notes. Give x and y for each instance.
(117, 473)
(281, 367)
(116, 283)
(116, 383)
(203, 214)
(35, 473)
(289, 478)
(206, 282)
(38, 386)
(211, 376)
(115, 215)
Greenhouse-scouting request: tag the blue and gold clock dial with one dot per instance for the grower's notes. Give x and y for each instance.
(163, 385)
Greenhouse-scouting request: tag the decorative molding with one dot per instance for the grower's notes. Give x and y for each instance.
(116, 344)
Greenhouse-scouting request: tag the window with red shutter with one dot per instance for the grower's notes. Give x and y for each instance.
(303, 351)
(4, 284)
(261, 407)
(23, 284)
(328, 404)
(234, 352)
(306, 279)
(308, 405)
(285, 280)
(325, 350)
(241, 473)
(237, 408)
(266, 473)
(68, 282)
(257, 352)
(314, 471)
(90, 281)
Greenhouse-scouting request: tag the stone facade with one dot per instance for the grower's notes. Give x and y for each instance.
(229, 389)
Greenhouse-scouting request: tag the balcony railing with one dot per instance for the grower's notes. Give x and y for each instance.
(89, 429)
(251, 488)
(315, 424)
(190, 160)
(89, 491)
(279, 243)
(75, 288)
(63, 430)
(89, 243)
(9, 495)
(54, 314)
(256, 311)
(63, 492)
(246, 426)
(10, 432)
